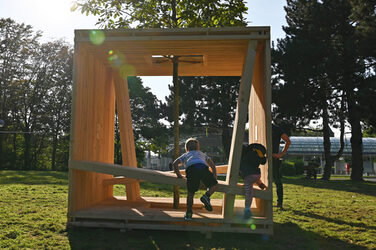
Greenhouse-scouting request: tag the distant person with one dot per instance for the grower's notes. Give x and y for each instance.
(277, 135)
(196, 164)
(252, 156)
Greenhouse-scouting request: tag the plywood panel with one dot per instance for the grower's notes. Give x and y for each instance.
(93, 129)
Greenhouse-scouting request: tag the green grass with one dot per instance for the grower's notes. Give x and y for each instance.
(337, 214)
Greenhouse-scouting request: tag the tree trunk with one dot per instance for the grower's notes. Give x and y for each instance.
(54, 148)
(356, 139)
(226, 141)
(26, 153)
(327, 144)
(175, 63)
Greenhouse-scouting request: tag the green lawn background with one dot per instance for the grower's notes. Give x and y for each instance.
(337, 214)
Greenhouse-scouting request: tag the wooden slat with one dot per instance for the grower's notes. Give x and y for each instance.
(239, 127)
(128, 149)
(155, 176)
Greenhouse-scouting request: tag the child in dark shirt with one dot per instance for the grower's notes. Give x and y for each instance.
(252, 156)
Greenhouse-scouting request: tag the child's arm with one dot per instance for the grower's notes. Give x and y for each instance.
(212, 166)
(175, 165)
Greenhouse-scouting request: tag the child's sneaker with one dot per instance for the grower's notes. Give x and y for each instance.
(247, 213)
(262, 186)
(188, 216)
(206, 200)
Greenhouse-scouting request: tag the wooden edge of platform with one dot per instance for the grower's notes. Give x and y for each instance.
(186, 226)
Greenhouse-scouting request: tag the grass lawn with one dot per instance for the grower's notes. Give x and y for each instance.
(318, 215)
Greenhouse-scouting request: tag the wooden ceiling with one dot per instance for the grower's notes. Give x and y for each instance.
(202, 51)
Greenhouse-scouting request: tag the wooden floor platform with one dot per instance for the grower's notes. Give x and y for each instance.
(158, 214)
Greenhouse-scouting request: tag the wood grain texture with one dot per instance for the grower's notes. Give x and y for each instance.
(128, 149)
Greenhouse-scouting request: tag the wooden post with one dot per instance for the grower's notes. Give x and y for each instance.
(268, 100)
(128, 149)
(239, 127)
(175, 69)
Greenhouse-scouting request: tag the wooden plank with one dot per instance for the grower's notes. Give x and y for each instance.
(155, 176)
(239, 127)
(128, 149)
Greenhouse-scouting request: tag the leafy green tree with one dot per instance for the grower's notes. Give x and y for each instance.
(150, 133)
(18, 43)
(305, 67)
(211, 106)
(36, 82)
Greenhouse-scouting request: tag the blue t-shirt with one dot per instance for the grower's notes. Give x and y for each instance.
(193, 157)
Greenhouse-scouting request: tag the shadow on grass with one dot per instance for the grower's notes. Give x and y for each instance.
(33, 177)
(339, 222)
(286, 236)
(365, 187)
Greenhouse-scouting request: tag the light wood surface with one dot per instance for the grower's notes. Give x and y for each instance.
(100, 74)
(128, 149)
(93, 126)
(239, 126)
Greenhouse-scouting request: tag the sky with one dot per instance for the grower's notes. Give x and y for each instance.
(56, 20)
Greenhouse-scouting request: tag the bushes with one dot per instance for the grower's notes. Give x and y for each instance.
(291, 168)
(288, 168)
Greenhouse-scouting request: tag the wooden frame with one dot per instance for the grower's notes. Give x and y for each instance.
(100, 72)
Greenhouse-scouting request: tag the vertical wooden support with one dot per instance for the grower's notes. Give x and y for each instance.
(239, 127)
(258, 112)
(128, 149)
(268, 100)
(92, 129)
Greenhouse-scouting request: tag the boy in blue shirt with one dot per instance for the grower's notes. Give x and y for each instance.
(196, 168)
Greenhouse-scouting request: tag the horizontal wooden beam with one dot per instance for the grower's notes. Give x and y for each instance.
(157, 177)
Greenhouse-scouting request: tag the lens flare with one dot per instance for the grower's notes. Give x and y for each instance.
(253, 227)
(116, 59)
(97, 37)
(111, 52)
(126, 70)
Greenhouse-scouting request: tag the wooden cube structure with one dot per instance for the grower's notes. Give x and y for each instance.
(103, 59)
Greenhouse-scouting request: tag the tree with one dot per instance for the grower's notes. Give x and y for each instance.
(35, 94)
(305, 67)
(150, 133)
(211, 105)
(329, 29)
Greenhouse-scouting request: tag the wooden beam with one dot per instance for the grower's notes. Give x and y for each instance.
(128, 149)
(268, 97)
(155, 176)
(239, 127)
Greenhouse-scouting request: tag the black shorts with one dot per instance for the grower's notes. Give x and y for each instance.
(195, 175)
